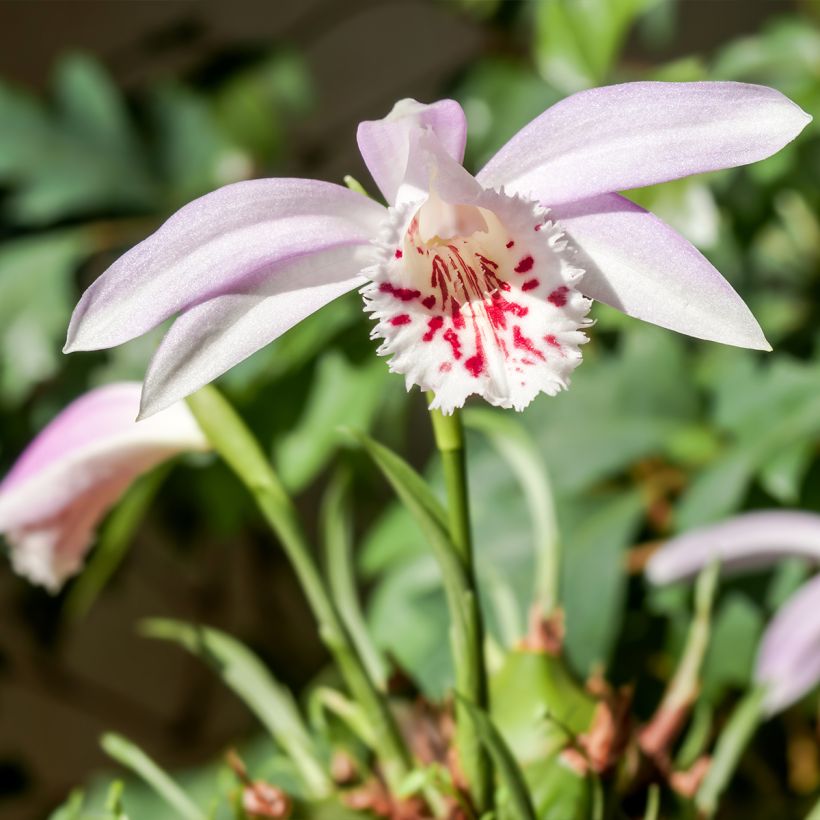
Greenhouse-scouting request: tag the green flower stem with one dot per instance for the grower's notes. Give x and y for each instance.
(471, 674)
(236, 445)
(732, 742)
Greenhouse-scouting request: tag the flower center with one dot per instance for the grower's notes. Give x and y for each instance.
(478, 298)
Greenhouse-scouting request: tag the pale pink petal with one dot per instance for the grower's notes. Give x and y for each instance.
(385, 144)
(627, 136)
(747, 541)
(788, 662)
(211, 246)
(79, 465)
(636, 263)
(214, 336)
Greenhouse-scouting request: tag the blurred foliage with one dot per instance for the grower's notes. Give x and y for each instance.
(659, 433)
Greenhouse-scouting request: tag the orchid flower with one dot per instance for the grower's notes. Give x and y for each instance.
(76, 469)
(478, 285)
(788, 660)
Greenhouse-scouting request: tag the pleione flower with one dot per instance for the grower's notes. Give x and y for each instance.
(788, 659)
(79, 465)
(477, 285)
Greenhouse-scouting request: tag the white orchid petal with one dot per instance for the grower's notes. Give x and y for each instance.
(635, 134)
(75, 469)
(385, 144)
(218, 334)
(639, 265)
(209, 247)
(788, 662)
(746, 541)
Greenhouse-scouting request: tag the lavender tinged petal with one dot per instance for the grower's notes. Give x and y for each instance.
(211, 246)
(626, 136)
(788, 661)
(385, 144)
(71, 474)
(744, 542)
(639, 265)
(218, 334)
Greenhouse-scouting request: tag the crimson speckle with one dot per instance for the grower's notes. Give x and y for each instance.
(559, 296)
(451, 337)
(401, 319)
(552, 341)
(510, 244)
(524, 343)
(432, 326)
(475, 364)
(525, 264)
(402, 294)
(429, 302)
(398, 254)
(498, 306)
(530, 284)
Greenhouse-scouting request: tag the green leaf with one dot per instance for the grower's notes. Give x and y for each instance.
(595, 570)
(337, 528)
(731, 744)
(736, 629)
(36, 298)
(341, 395)
(578, 41)
(133, 758)
(195, 154)
(509, 773)
(71, 809)
(245, 674)
(537, 705)
(252, 103)
(82, 157)
(513, 444)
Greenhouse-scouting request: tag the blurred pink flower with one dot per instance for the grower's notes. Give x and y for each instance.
(788, 660)
(475, 283)
(76, 469)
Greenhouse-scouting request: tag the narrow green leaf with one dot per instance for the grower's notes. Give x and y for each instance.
(508, 771)
(653, 803)
(245, 674)
(235, 443)
(730, 746)
(814, 814)
(133, 758)
(324, 698)
(465, 615)
(70, 810)
(113, 801)
(409, 485)
(515, 445)
(337, 529)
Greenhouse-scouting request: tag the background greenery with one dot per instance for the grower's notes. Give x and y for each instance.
(658, 433)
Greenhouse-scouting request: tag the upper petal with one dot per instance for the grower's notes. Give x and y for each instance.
(635, 134)
(76, 468)
(743, 542)
(219, 333)
(639, 265)
(212, 244)
(788, 662)
(385, 144)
